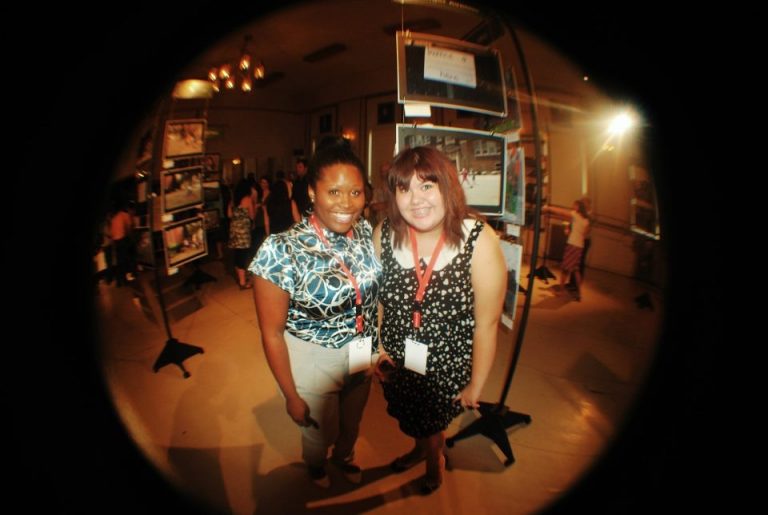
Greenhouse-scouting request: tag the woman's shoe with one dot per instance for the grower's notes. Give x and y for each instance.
(428, 486)
(405, 462)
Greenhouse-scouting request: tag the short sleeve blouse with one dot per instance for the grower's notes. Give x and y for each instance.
(322, 299)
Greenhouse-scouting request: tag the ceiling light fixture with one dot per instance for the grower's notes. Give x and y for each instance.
(230, 76)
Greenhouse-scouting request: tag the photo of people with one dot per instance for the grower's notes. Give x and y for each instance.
(184, 138)
(477, 155)
(182, 188)
(514, 205)
(184, 242)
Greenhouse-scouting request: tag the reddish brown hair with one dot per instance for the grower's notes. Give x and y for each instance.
(431, 165)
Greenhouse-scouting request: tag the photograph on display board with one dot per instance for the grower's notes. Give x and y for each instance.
(513, 257)
(479, 158)
(644, 218)
(211, 163)
(447, 72)
(211, 219)
(184, 242)
(184, 138)
(211, 191)
(514, 204)
(182, 188)
(145, 251)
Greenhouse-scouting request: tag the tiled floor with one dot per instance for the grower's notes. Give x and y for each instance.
(222, 434)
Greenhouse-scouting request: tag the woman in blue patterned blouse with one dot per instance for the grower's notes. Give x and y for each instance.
(316, 293)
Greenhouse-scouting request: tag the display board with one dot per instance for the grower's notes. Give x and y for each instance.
(449, 72)
(184, 241)
(182, 188)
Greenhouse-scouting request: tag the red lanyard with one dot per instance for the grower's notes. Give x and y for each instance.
(345, 269)
(423, 277)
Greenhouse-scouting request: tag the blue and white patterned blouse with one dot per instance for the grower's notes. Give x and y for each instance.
(322, 305)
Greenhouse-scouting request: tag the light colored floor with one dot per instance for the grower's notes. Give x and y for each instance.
(222, 434)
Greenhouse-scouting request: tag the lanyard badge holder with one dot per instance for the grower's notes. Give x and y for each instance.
(416, 352)
(360, 347)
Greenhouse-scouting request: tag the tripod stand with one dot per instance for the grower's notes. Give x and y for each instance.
(199, 277)
(495, 419)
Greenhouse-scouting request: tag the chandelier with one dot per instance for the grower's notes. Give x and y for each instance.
(240, 75)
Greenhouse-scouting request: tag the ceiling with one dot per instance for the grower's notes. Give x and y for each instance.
(367, 65)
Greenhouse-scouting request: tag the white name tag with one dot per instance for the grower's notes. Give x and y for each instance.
(416, 356)
(360, 354)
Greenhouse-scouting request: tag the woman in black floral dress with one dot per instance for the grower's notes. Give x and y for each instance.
(439, 321)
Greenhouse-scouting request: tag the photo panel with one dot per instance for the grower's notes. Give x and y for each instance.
(514, 202)
(513, 257)
(479, 158)
(184, 241)
(211, 192)
(145, 250)
(182, 188)
(184, 138)
(448, 72)
(211, 219)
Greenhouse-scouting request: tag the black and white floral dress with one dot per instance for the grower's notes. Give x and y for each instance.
(423, 404)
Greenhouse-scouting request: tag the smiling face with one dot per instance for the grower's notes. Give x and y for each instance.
(338, 196)
(421, 205)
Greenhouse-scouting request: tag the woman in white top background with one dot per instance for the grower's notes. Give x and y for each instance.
(574, 247)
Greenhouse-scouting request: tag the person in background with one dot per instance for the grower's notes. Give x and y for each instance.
(240, 212)
(316, 296)
(442, 295)
(121, 232)
(300, 190)
(574, 245)
(278, 205)
(587, 235)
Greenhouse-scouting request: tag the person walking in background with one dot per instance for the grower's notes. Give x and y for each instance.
(574, 245)
(316, 296)
(121, 232)
(442, 294)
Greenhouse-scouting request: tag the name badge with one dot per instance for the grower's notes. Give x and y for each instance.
(416, 356)
(360, 354)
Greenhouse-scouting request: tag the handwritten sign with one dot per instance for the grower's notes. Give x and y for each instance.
(450, 66)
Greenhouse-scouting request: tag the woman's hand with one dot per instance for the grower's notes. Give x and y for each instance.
(383, 367)
(469, 397)
(299, 411)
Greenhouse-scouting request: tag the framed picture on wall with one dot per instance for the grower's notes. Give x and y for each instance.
(184, 241)
(181, 188)
(451, 73)
(184, 138)
(479, 158)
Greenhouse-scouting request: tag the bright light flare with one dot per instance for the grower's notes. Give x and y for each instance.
(621, 124)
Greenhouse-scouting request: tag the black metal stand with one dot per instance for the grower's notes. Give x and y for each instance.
(199, 277)
(495, 419)
(175, 352)
(493, 423)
